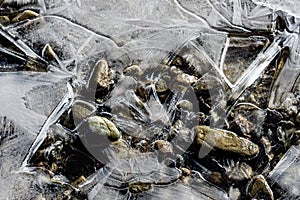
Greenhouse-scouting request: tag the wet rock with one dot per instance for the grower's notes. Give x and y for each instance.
(215, 178)
(81, 110)
(79, 180)
(185, 105)
(186, 79)
(27, 14)
(133, 70)
(100, 80)
(208, 50)
(4, 20)
(48, 52)
(161, 86)
(185, 171)
(292, 110)
(104, 127)
(163, 146)
(139, 187)
(259, 188)
(225, 141)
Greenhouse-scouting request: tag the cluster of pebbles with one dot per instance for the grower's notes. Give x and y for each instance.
(145, 126)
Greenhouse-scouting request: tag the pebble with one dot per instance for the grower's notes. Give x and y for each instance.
(133, 70)
(259, 186)
(185, 105)
(225, 141)
(101, 76)
(81, 110)
(163, 146)
(139, 187)
(161, 86)
(103, 126)
(27, 14)
(4, 20)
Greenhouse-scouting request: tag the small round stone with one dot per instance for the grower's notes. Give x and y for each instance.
(27, 14)
(104, 127)
(4, 20)
(163, 146)
(133, 70)
(185, 105)
(161, 86)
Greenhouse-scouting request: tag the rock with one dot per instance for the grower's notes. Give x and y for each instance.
(258, 188)
(27, 14)
(104, 127)
(139, 187)
(185, 105)
(4, 20)
(101, 76)
(81, 110)
(161, 86)
(133, 70)
(225, 141)
(163, 146)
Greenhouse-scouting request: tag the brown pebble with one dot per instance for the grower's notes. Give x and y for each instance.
(133, 70)
(79, 180)
(185, 105)
(258, 186)
(27, 14)
(185, 171)
(101, 76)
(49, 52)
(225, 141)
(161, 86)
(163, 146)
(139, 187)
(4, 20)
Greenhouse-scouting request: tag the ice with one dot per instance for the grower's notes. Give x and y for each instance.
(198, 189)
(235, 16)
(209, 34)
(286, 173)
(14, 144)
(291, 7)
(129, 20)
(15, 87)
(126, 168)
(256, 68)
(291, 69)
(62, 106)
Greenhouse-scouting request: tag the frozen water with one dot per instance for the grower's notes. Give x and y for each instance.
(286, 173)
(205, 32)
(291, 7)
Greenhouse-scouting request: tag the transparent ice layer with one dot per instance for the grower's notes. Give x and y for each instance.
(229, 44)
(285, 173)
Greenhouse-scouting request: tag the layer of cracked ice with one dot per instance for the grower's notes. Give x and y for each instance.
(238, 58)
